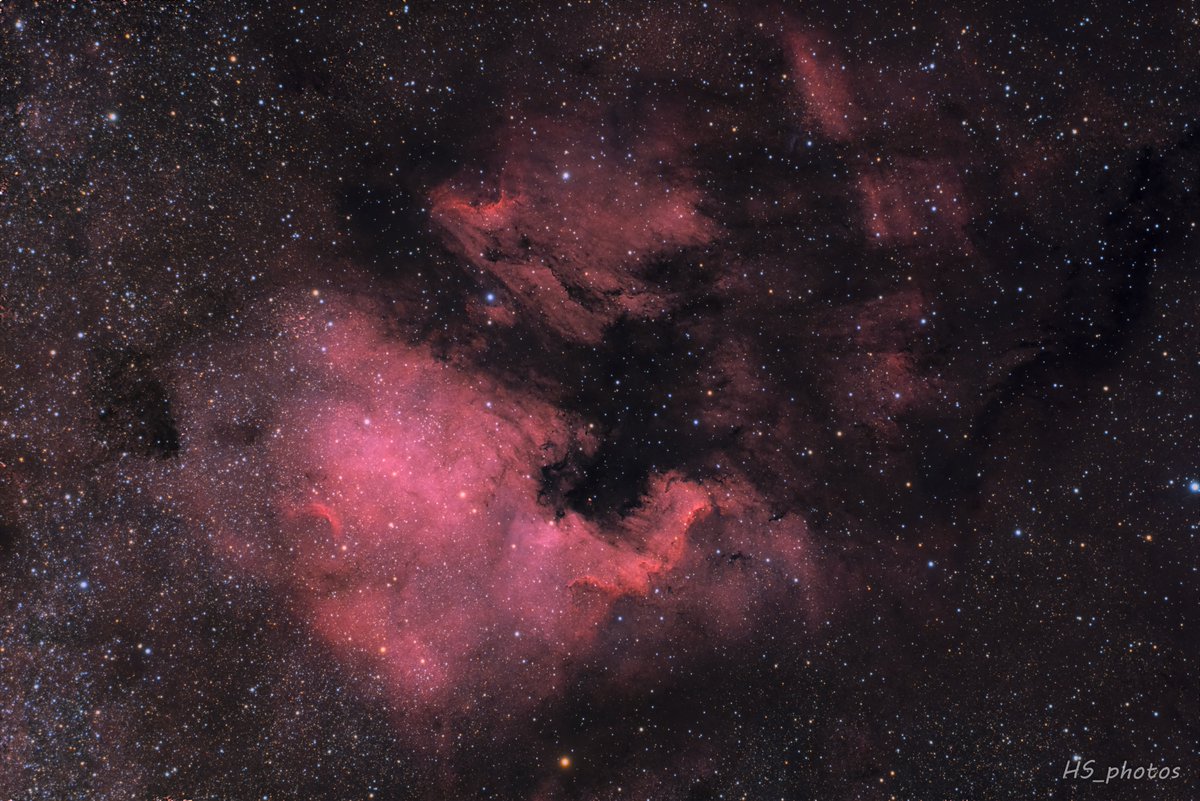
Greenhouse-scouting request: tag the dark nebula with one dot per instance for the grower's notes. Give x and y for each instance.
(684, 400)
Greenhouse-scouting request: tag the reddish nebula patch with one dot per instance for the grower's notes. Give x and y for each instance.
(568, 222)
(824, 85)
(450, 576)
(322, 512)
(914, 201)
(878, 374)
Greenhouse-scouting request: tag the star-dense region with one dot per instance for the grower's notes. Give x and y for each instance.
(599, 400)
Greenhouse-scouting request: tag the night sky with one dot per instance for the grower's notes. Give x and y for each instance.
(609, 401)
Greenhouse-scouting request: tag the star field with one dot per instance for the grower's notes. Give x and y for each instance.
(599, 400)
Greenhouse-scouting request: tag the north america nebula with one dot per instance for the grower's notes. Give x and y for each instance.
(683, 400)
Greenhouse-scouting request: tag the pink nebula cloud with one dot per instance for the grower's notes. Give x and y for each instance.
(823, 84)
(567, 220)
(405, 526)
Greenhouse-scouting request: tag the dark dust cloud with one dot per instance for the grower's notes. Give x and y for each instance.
(686, 400)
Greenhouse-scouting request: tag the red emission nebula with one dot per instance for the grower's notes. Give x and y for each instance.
(406, 524)
(673, 401)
